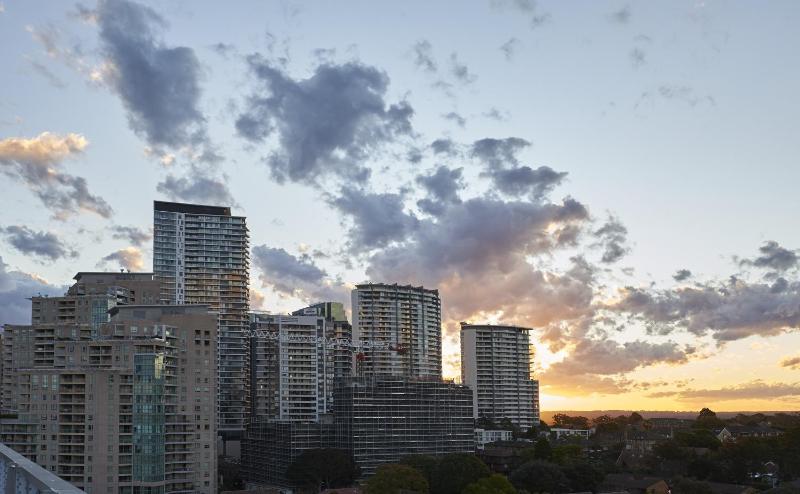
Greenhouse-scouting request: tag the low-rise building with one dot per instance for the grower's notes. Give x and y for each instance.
(559, 433)
(484, 437)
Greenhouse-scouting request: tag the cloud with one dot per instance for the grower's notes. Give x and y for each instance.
(622, 16)
(510, 47)
(129, 258)
(16, 287)
(423, 56)
(791, 362)
(328, 124)
(773, 257)
(613, 237)
(754, 390)
(197, 187)
(460, 70)
(132, 234)
(442, 187)
(444, 146)
(44, 244)
(496, 114)
(638, 57)
(682, 275)
(295, 276)
(48, 75)
(509, 176)
(158, 84)
(36, 163)
(527, 8)
(676, 92)
(727, 311)
(455, 118)
(378, 219)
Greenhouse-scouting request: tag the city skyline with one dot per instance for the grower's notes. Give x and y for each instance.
(590, 174)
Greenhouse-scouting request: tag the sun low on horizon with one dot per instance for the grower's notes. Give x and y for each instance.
(620, 178)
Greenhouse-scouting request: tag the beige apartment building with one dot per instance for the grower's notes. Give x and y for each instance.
(126, 406)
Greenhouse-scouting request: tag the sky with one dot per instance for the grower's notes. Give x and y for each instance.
(618, 176)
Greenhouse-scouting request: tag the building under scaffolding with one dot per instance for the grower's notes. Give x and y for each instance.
(381, 419)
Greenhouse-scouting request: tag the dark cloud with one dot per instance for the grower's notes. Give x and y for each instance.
(613, 237)
(460, 70)
(443, 187)
(754, 390)
(129, 258)
(16, 288)
(327, 124)
(510, 47)
(197, 188)
(773, 257)
(455, 118)
(36, 163)
(223, 49)
(682, 275)
(444, 146)
(44, 244)
(378, 219)
(132, 234)
(727, 311)
(296, 276)
(792, 363)
(509, 176)
(158, 84)
(622, 16)
(423, 56)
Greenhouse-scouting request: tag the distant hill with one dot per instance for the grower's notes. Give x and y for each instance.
(547, 415)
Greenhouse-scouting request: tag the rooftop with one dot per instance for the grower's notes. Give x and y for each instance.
(179, 207)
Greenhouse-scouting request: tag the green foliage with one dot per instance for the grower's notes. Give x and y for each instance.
(583, 477)
(707, 419)
(496, 484)
(396, 479)
(542, 450)
(697, 438)
(324, 467)
(456, 471)
(540, 476)
(425, 464)
(669, 450)
(567, 453)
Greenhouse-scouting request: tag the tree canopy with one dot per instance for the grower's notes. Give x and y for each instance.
(496, 484)
(540, 476)
(324, 467)
(456, 471)
(396, 479)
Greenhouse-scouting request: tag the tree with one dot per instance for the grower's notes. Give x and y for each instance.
(707, 419)
(496, 484)
(566, 453)
(456, 471)
(542, 449)
(669, 450)
(323, 468)
(635, 418)
(605, 424)
(565, 421)
(396, 479)
(686, 486)
(425, 464)
(539, 476)
(583, 477)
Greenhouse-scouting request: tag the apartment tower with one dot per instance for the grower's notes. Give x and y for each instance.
(398, 330)
(496, 364)
(201, 256)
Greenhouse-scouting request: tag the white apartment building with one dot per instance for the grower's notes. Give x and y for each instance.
(496, 365)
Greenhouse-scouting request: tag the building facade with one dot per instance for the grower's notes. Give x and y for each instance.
(496, 365)
(201, 256)
(126, 407)
(292, 367)
(380, 419)
(339, 332)
(398, 329)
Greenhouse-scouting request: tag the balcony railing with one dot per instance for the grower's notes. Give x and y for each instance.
(20, 475)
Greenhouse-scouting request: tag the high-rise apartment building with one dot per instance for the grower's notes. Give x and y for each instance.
(292, 367)
(201, 256)
(398, 329)
(124, 407)
(496, 365)
(339, 332)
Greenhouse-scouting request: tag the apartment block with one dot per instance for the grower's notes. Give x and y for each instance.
(201, 256)
(496, 365)
(398, 329)
(339, 331)
(126, 407)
